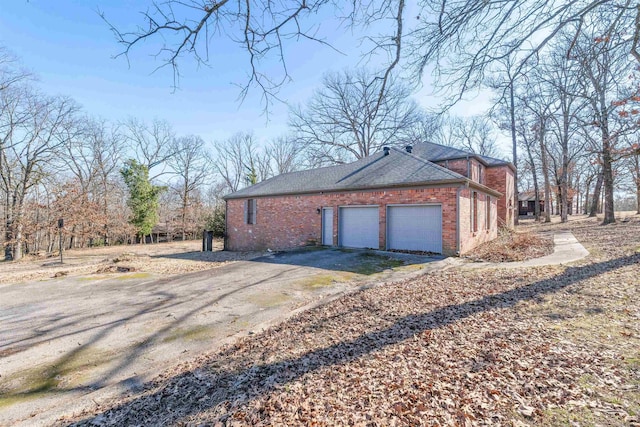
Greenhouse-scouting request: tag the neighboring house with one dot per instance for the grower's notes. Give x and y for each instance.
(428, 198)
(527, 203)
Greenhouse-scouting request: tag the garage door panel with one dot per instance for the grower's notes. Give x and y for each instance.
(359, 227)
(415, 228)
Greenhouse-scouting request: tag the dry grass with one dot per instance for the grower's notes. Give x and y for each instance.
(513, 246)
(160, 258)
(551, 345)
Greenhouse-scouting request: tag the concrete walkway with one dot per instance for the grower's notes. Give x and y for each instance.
(566, 249)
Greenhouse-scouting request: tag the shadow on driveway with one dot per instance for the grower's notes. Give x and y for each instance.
(65, 338)
(359, 261)
(244, 385)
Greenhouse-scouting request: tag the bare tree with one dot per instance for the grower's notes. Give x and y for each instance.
(233, 159)
(633, 164)
(461, 40)
(104, 145)
(465, 39)
(604, 66)
(153, 144)
(475, 134)
(430, 127)
(285, 154)
(526, 128)
(33, 129)
(11, 72)
(503, 83)
(191, 165)
(560, 76)
(261, 29)
(533, 102)
(352, 116)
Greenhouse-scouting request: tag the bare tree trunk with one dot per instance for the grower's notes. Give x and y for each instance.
(607, 160)
(8, 237)
(8, 231)
(17, 248)
(596, 195)
(564, 173)
(607, 172)
(515, 153)
(184, 217)
(577, 196)
(15, 226)
(18, 237)
(536, 186)
(72, 237)
(636, 165)
(585, 202)
(545, 175)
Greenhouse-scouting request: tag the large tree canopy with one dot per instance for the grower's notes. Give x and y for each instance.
(461, 39)
(347, 118)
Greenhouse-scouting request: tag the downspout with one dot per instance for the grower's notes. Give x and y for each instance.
(466, 185)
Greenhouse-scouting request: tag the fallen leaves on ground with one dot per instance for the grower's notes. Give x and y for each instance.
(513, 246)
(160, 258)
(551, 345)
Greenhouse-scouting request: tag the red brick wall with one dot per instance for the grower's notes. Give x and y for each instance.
(284, 222)
(501, 178)
(469, 238)
(470, 168)
(478, 171)
(460, 166)
(290, 221)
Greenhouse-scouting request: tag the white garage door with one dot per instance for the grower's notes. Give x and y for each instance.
(359, 227)
(415, 228)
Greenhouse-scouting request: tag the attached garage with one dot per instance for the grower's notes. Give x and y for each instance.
(414, 228)
(359, 227)
(414, 199)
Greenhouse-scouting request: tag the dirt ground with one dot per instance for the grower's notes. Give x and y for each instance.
(161, 258)
(553, 346)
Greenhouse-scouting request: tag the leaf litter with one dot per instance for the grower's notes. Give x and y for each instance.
(550, 345)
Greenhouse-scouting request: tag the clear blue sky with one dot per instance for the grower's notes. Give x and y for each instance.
(71, 49)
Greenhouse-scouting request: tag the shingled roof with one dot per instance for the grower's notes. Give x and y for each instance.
(398, 169)
(438, 153)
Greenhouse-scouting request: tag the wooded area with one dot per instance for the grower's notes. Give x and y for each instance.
(563, 75)
(565, 92)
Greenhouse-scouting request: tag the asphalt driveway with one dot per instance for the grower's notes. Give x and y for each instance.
(71, 342)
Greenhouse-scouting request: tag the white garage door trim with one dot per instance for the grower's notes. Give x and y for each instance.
(416, 227)
(359, 226)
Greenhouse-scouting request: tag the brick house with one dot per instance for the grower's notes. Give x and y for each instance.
(527, 203)
(426, 197)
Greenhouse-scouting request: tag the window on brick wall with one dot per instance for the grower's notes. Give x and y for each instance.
(488, 212)
(250, 210)
(474, 211)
